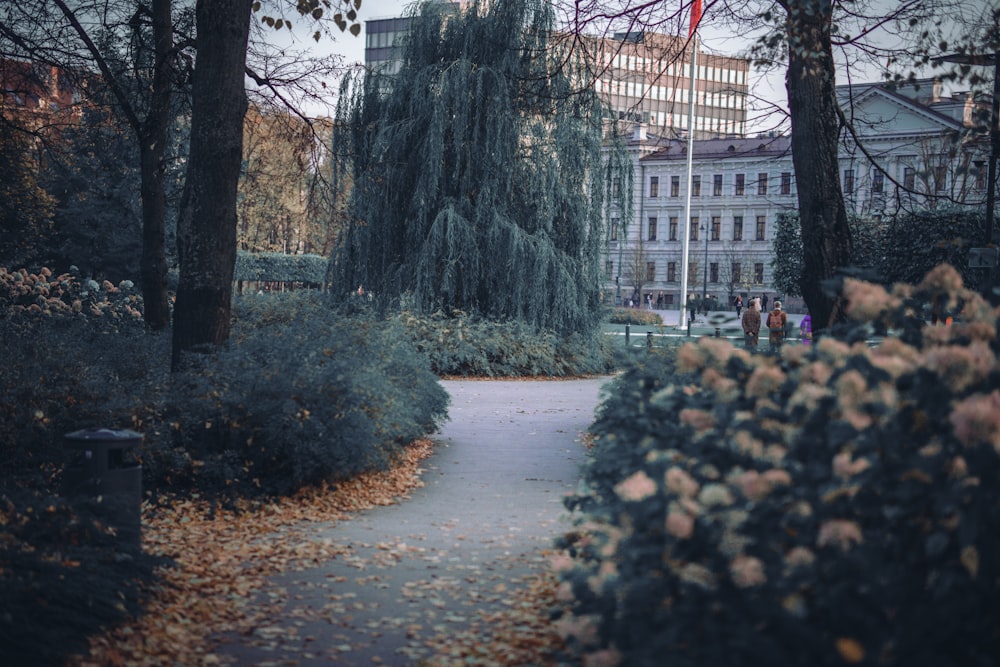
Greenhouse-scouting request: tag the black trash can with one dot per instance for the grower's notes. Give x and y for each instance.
(102, 471)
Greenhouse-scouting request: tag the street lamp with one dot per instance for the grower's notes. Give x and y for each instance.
(704, 289)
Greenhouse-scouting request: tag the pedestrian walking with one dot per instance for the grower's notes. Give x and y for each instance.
(806, 329)
(763, 303)
(751, 326)
(777, 320)
(738, 302)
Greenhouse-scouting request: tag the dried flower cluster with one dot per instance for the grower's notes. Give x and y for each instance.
(44, 294)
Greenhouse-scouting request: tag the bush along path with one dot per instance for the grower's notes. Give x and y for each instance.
(453, 574)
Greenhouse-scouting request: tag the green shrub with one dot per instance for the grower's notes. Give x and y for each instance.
(302, 395)
(634, 316)
(838, 504)
(465, 346)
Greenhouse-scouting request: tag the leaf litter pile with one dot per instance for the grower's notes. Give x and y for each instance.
(217, 584)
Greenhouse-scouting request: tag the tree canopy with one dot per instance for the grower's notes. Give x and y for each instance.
(479, 173)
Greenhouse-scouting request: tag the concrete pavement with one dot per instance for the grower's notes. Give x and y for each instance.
(440, 562)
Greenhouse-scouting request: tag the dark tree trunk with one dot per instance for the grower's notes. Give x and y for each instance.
(812, 105)
(206, 230)
(152, 145)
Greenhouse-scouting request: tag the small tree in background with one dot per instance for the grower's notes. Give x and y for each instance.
(786, 262)
(902, 249)
(911, 245)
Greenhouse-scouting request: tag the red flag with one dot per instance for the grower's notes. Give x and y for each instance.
(695, 16)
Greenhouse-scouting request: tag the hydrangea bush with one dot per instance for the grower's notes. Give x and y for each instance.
(837, 504)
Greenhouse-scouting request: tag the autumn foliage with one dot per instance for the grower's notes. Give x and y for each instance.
(834, 505)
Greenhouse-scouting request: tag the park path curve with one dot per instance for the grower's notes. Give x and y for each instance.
(490, 507)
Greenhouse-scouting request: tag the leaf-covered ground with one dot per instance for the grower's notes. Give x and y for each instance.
(223, 559)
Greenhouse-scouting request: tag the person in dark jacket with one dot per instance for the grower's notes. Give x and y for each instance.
(751, 326)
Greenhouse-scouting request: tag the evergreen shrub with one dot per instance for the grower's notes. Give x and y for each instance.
(465, 346)
(837, 504)
(302, 395)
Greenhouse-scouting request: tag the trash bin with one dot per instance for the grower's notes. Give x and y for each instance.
(103, 469)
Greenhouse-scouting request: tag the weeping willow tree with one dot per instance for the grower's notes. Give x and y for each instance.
(478, 173)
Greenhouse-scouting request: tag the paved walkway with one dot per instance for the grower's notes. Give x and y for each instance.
(432, 565)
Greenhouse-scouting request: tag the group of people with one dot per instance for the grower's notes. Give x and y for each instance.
(776, 323)
(761, 302)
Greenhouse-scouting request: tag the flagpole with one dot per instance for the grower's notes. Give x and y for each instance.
(686, 225)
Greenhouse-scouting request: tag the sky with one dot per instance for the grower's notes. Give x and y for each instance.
(768, 88)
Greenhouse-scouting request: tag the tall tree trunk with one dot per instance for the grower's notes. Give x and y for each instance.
(206, 230)
(812, 105)
(152, 146)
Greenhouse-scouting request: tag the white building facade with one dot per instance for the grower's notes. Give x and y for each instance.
(915, 156)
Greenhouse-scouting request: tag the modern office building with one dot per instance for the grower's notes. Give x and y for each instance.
(918, 154)
(644, 77)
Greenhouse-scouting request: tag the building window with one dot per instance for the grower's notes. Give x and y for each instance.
(654, 186)
(650, 271)
(675, 186)
(616, 187)
(671, 272)
(713, 272)
(737, 278)
(737, 227)
(694, 228)
(716, 227)
(878, 181)
(758, 273)
(609, 269)
(762, 184)
(786, 182)
(692, 273)
(652, 229)
(614, 229)
(740, 184)
(696, 186)
(673, 228)
(980, 176)
(848, 181)
(717, 185)
(761, 227)
(909, 178)
(940, 178)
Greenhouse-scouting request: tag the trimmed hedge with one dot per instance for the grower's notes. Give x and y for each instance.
(280, 267)
(639, 316)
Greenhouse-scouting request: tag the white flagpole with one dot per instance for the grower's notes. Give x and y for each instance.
(686, 224)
